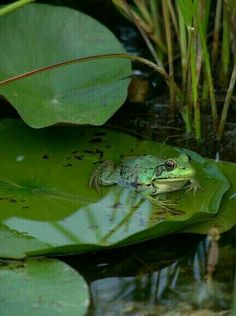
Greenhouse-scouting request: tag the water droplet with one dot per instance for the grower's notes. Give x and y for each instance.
(20, 158)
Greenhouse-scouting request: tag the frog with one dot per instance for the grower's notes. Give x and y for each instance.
(148, 175)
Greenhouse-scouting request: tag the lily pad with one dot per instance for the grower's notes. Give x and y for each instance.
(44, 191)
(42, 287)
(226, 216)
(14, 244)
(40, 35)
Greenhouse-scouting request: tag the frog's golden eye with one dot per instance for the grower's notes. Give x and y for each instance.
(170, 165)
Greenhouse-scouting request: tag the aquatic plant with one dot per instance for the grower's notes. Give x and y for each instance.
(189, 33)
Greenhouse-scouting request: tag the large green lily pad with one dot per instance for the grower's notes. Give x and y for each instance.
(42, 287)
(40, 35)
(44, 191)
(226, 217)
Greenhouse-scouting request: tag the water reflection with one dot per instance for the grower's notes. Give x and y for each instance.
(162, 277)
(118, 213)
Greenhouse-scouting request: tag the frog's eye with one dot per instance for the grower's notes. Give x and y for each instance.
(170, 165)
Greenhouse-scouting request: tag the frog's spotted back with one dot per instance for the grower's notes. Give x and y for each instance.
(149, 175)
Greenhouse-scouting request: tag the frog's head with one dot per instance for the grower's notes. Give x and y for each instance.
(175, 169)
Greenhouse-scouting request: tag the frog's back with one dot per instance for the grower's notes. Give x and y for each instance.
(136, 172)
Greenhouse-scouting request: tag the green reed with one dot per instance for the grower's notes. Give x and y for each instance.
(196, 39)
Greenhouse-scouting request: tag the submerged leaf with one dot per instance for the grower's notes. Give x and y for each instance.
(44, 191)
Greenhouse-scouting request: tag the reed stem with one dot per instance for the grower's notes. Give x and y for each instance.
(228, 99)
(194, 85)
(170, 54)
(225, 52)
(208, 71)
(183, 48)
(215, 42)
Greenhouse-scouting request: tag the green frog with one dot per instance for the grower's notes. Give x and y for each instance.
(149, 175)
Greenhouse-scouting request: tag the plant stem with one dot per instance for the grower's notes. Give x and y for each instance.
(146, 27)
(188, 88)
(141, 5)
(170, 54)
(187, 119)
(204, 9)
(215, 43)
(183, 47)
(154, 17)
(86, 59)
(173, 16)
(227, 102)
(208, 72)
(13, 6)
(136, 20)
(205, 12)
(197, 115)
(225, 53)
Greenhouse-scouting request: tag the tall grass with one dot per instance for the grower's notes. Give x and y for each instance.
(202, 34)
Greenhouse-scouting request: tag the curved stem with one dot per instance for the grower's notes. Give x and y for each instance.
(14, 6)
(85, 59)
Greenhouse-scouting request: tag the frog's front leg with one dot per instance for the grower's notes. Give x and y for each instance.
(105, 174)
(162, 204)
(193, 186)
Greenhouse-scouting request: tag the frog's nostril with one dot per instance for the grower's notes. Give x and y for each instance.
(189, 157)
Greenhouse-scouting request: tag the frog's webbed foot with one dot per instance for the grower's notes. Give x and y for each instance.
(193, 186)
(161, 204)
(93, 181)
(98, 174)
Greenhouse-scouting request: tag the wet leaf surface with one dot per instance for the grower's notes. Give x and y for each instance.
(42, 287)
(85, 93)
(226, 217)
(44, 192)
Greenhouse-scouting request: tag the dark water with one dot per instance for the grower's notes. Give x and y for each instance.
(166, 276)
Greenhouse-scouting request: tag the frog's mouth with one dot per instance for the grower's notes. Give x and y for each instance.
(171, 177)
(175, 179)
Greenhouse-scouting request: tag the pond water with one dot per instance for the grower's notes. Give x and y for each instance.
(167, 276)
